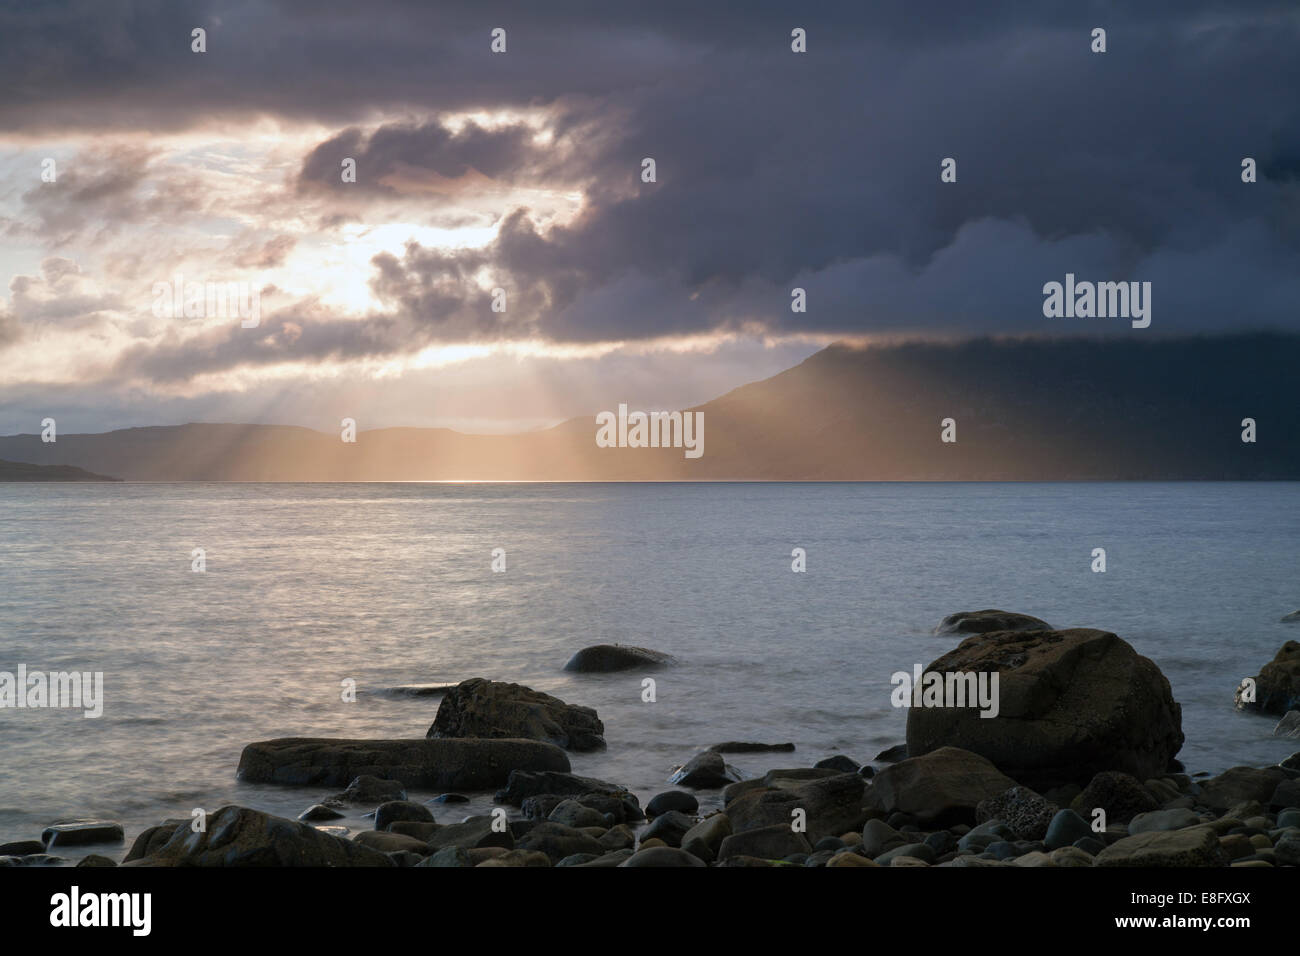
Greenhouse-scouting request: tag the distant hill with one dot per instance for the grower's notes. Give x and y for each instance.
(22, 471)
(1060, 409)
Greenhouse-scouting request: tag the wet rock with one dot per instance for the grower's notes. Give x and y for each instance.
(529, 783)
(612, 858)
(1071, 703)
(238, 836)
(605, 658)
(450, 798)
(571, 813)
(420, 829)
(705, 838)
(558, 841)
(704, 771)
(1289, 725)
(81, 833)
(94, 859)
(1292, 618)
(678, 800)
(474, 764)
(472, 834)
(151, 839)
(669, 827)
(494, 709)
(892, 754)
(1286, 794)
(1277, 687)
(743, 747)
(403, 811)
(22, 848)
(319, 813)
(448, 856)
(940, 788)
(981, 622)
(1194, 846)
(831, 805)
(386, 842)
(837, 762)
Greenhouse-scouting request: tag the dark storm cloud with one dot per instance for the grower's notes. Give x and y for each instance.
(774, 169)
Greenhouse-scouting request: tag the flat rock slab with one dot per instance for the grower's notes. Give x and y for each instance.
(604, 658)
(743, 747)
(1195, 846)
(432, 764)
(81, 833)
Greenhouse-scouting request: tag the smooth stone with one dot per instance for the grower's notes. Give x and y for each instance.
(386, 842)
(678, 800)
(1066, 827)
(990, 619)
(850, 859)
(95, 859)
(401, 811)
(941, 787)
(22, 848)
(671, 827)
(1162, 820)
(612, 858)
(530, 783)
(918, 851)
(705, 838)
(513, 858)
(571, 813)
(705, 771)
(1089, 844)
(475, 833)
(319, 813)
(448, 856)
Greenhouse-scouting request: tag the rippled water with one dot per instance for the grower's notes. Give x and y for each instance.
(307, 585)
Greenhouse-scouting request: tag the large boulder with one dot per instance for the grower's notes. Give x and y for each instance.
(603, 658)
(940, 788)
(990, 619)
(831, 805)
(1277, 687)
(422, 763)
(495, 709)
(238, 836)
(1070, 704)
(1240, 785)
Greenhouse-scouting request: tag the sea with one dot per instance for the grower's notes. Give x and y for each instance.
(309, 589)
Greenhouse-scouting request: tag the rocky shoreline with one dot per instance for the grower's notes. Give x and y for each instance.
(1077, 767)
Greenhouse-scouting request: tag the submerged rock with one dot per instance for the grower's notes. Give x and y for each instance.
(1289, 725)
(604, 658)
(704, 771)
(1070, 704)
(1292, 618)
(743, 747)
(428, 764)
(495, 709)
(238, 836)
(990, 619)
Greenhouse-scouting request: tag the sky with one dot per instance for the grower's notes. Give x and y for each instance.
(523, 171)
